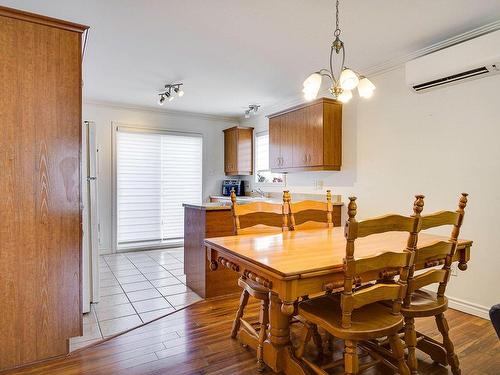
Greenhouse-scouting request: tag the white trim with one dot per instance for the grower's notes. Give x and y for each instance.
(115, 125)
(163, 111)
(148, 130)
(468, 307)
(254, 177)
(396, 62)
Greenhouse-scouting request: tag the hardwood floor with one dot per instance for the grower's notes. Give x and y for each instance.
(196, 341)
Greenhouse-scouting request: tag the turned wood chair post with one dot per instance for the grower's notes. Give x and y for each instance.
(454, 239)
(236, 219)
(329, 208)
(418, 206)
(351, 233)
(288, 220)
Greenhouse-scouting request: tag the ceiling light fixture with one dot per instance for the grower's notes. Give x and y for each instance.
(252, 109)
(169, 92)
(347, 80)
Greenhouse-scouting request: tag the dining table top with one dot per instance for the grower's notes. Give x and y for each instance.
(294, 253)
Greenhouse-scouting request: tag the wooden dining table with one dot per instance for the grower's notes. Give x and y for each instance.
(294, 264)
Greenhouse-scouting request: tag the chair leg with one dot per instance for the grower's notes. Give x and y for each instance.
(411, 343)
(398, 351)
(351, 364)
(305, 337)
(443, 327)
(317, 341)
(264, 321)
(239, 313)
(330, 342)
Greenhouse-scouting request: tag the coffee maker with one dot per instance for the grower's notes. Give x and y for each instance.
(237, 185)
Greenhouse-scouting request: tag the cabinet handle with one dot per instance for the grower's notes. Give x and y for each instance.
(309, 158)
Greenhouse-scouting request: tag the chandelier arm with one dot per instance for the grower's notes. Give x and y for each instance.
(325, 73)
(331, 67)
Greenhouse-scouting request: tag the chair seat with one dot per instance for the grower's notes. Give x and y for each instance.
(370, 321)
(425, 303)
(254, 289)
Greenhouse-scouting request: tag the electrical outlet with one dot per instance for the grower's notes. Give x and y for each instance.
(454, 270)
(318, 184)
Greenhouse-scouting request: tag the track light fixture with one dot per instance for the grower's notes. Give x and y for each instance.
(252, 109)
(169, 92)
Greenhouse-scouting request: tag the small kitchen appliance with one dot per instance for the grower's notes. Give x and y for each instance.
(237, 185)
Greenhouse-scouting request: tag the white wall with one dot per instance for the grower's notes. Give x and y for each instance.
(439, 143)
(103, 115)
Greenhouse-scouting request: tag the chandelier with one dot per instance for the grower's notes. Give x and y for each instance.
(348, 79)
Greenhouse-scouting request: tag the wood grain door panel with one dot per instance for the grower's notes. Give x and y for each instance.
(275, 143)
(313, 137)
(40, 234)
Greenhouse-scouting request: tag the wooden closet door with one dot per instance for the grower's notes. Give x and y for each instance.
(40, 230)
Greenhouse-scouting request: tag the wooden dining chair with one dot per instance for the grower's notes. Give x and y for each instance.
(308, 214)
(251, 218)
(420, 303)
(355, 314)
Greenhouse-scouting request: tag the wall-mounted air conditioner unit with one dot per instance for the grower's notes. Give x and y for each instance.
(474, 58)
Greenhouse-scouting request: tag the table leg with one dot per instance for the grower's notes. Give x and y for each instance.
(278, 351)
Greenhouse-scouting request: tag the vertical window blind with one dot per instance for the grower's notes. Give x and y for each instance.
(156, 174)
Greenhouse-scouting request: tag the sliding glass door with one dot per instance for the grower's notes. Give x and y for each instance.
(156, 172)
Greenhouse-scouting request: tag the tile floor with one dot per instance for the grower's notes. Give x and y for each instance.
(136, 288)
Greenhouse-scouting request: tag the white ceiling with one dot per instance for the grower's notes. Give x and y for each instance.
(230, 53)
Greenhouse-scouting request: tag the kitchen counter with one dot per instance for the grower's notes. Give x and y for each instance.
(275, 198)
(209, 206)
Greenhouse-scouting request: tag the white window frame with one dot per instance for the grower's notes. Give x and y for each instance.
(114, 183)
(263, 184)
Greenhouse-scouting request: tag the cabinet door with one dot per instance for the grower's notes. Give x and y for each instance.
(313, 128)
(298, 128)
(244, 151)
(287, 138)
(230, 148)
(275, 142)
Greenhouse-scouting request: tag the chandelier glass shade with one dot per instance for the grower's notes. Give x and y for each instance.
(342, 83)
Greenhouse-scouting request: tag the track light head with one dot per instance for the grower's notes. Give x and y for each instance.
(169, 92)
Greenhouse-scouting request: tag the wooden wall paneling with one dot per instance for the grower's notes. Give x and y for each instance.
(40, 252)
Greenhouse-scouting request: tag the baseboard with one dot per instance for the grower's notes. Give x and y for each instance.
(468, 307)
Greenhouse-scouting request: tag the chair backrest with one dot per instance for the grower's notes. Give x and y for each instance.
(383, 263)
(258, 217)
(437, 253)
(309, 214)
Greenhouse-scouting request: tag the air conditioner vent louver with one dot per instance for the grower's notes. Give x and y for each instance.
(472, 59)
(452, 78)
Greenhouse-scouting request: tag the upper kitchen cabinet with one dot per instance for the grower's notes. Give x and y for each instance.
(306, 137)
(238, 151)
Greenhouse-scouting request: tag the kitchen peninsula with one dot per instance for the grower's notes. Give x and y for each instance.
(214, 219)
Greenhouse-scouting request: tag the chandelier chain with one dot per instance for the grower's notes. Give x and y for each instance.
(337, 28)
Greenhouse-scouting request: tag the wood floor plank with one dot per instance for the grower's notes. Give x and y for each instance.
(196, 341)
